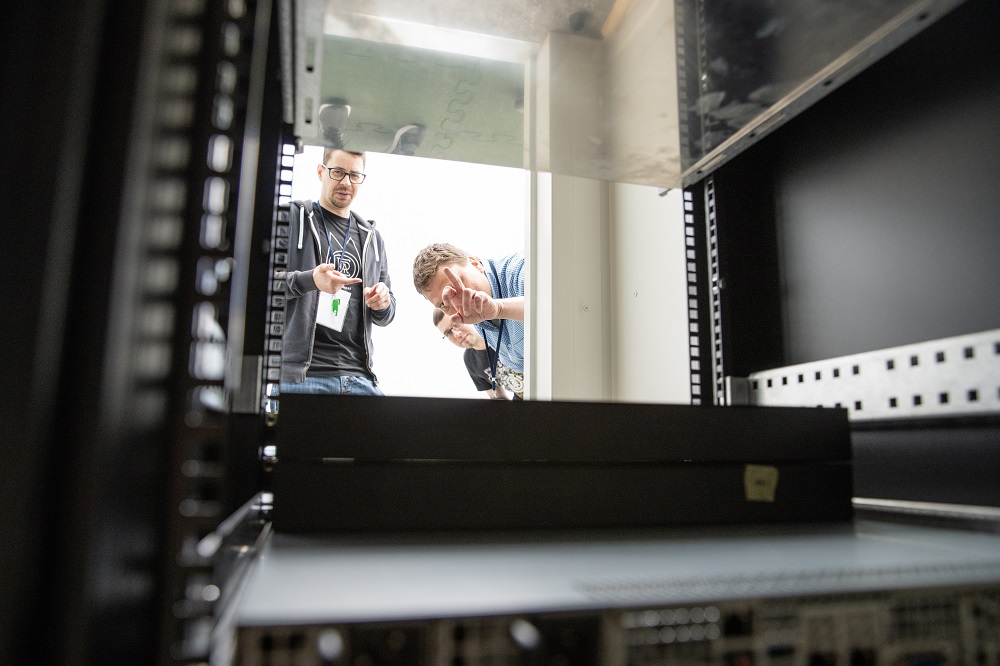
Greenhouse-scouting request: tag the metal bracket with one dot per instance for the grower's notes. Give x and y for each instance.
(958, 376)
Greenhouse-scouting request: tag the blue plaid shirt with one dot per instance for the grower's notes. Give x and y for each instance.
(506, 282)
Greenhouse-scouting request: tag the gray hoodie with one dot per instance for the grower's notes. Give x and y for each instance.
(302, 297)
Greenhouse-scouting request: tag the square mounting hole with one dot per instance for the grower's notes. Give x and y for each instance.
(917, 400)
(914, 361)
(996, 348)
(770, 383)
(755, 384)
(973, 395)
(857, 405)
(819, 375)
(939, 357)
(969, 352)
(802, 378)
(893, 403)
(836, 372)
(856, 370)
(943, 398)
(784, 381)
(890, 365)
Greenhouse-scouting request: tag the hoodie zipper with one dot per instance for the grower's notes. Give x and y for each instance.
(364, 308)
(319, 259)
(364, 264)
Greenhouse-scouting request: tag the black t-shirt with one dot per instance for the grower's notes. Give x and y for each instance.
(342, 352)
(478, 364)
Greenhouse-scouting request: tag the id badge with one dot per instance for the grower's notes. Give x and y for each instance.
(333, 309)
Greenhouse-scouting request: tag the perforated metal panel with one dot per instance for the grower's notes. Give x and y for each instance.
(958, 376)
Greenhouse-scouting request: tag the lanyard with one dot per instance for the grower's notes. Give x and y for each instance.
(329, 241)
(496, 354)
(496, 357)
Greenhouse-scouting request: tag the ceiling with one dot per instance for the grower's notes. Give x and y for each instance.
(524, 20)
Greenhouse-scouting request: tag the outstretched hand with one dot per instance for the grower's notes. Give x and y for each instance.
(377, 296)
(330, 280)
(466, 305)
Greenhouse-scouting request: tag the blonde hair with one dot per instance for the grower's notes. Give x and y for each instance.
(433, 257)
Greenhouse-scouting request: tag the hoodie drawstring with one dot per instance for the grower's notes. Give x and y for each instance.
(302, 223)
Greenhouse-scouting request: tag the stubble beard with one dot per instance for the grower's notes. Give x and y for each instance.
(341, 203)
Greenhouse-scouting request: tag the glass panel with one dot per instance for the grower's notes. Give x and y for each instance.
(753, 54)
(638, 91)
(414, 101)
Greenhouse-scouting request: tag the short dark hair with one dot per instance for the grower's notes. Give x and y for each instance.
(329, 151)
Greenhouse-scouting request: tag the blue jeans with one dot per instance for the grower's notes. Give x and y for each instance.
(343, 385)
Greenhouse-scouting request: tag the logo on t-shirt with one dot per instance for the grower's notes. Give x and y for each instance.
(350, 264)
(510, 379)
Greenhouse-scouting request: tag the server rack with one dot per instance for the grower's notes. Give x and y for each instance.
(816, 610)
(863, 249)
(150, 511)
(136, 134)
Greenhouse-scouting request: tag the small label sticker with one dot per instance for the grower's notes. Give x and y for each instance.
(760, 482)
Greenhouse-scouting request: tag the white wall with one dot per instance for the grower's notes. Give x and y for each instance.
(571, 326)
(608, 310)
(649, 292)
(568, 350)
(610, 322)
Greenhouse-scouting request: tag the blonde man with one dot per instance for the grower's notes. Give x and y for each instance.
(487, 293)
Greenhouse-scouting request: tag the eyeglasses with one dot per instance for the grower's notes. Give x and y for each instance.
(449, 333)
(338, 174)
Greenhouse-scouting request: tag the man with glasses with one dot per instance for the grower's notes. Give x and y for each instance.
(337, 286)
(477, 359)
(487, 293)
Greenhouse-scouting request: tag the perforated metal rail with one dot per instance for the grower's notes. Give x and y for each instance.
(957, 376)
